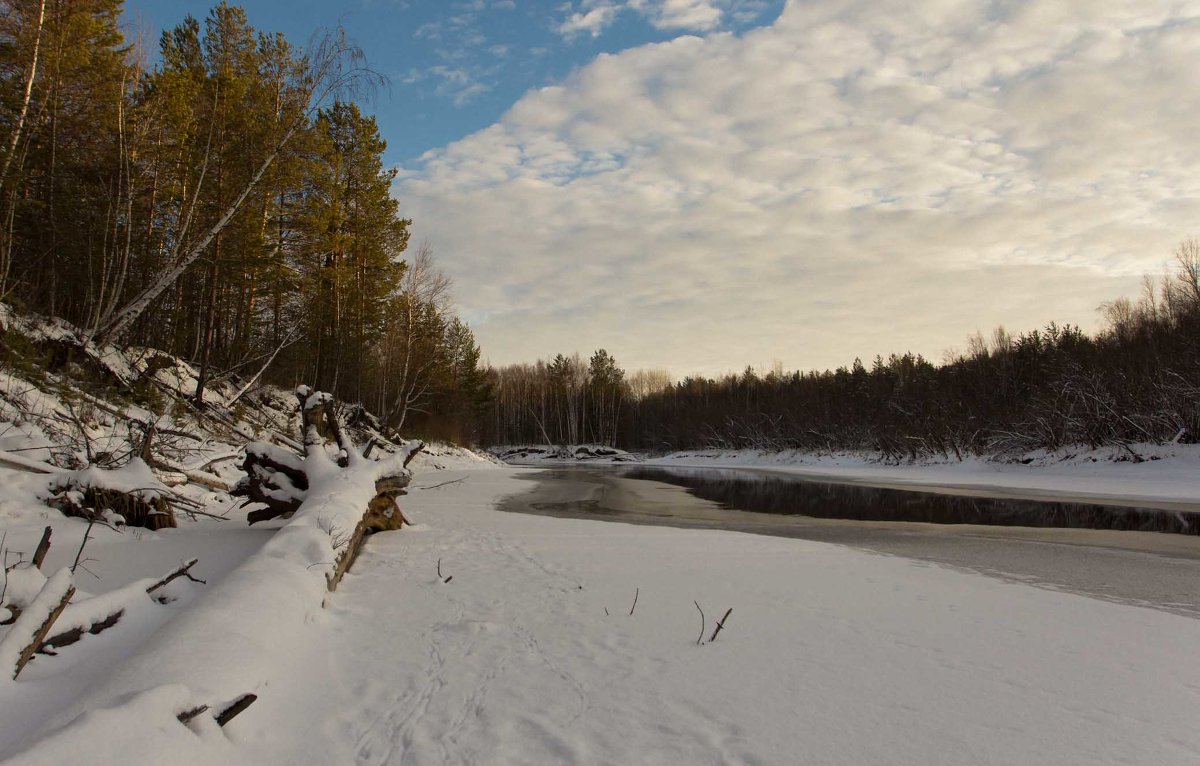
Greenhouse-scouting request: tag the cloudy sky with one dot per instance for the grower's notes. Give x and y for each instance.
(705, 184)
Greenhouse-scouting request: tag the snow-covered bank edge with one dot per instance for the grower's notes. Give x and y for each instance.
(1169, 475)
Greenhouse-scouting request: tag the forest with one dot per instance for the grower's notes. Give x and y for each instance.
(1135, 381)
(227, 204)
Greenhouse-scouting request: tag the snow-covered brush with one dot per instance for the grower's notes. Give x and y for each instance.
(130, 495)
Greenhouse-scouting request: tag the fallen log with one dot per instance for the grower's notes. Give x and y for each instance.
(31, 628)
(68, 637)
(113, 610)
(278, 479)
(18, 463)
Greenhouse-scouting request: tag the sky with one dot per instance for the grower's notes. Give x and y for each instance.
(702, 185)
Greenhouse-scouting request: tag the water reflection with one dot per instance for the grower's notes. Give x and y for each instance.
(799, 496)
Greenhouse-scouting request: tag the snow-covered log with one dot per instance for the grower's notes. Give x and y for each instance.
(35, 622)
(281, 480)
(92, 616)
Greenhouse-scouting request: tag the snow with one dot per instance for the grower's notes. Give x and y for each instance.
(1170, 474)
(831, 655)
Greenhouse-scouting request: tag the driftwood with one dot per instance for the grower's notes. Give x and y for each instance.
(346, 558)
(278, 479)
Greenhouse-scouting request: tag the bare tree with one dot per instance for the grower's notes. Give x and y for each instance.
(422, 307)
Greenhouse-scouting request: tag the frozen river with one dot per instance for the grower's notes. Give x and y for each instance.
(1145, 556)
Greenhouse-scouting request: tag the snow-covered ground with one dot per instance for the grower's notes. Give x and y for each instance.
(529, 654)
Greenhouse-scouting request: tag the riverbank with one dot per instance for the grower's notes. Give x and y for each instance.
(1168, 476)
(1156, 569)
(536, 652)
(477, 636)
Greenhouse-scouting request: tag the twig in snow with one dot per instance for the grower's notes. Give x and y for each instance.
(188, 715)
(701, 636)
(444, 483)
(720, 624)
(439, 571)
(86, 536)
(636, 591)
(182, 571)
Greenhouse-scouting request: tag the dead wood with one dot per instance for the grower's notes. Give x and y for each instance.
(188, 715)
(196, 477)
(274, 478)
(39, 635)
(720, 625)
(68, 637)
(43, 548)
(28, 466)
(346, 558)
(240, 704)
(701, 636)
(183, 571)
(226, 715)
(90, 503)
(413, 454)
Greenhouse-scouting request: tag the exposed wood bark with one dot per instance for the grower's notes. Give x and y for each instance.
(346, 558)
(239, 705)
(47, 607)
(43, 548)
(68, 637)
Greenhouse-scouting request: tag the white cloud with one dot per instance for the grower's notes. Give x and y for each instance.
(593, 19)
(681, 14)
(856, 179)
(594, 16)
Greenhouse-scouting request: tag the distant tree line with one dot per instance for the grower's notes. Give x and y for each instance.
(228, 205)
(1138, 380)
(563, 401)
